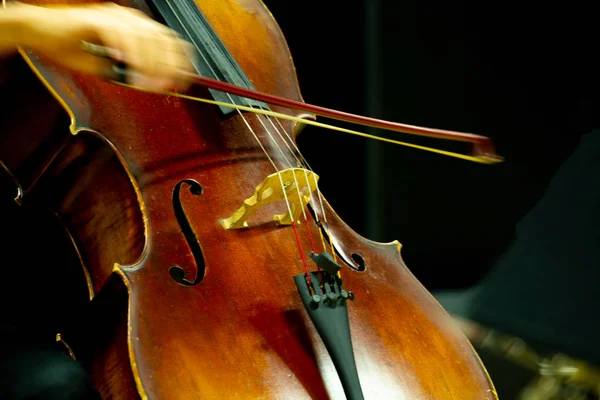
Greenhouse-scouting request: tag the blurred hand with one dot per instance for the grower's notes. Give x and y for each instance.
(154, 54)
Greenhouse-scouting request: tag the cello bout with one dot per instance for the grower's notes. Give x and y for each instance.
(205, 303)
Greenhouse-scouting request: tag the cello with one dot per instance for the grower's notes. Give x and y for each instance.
(214, 265)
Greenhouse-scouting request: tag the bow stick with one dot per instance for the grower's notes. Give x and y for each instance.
(483, 149)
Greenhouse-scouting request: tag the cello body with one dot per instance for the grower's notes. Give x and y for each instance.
(182, 308)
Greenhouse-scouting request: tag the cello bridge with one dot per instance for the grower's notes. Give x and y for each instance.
(293, 184)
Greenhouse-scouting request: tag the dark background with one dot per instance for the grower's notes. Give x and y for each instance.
(518, 72)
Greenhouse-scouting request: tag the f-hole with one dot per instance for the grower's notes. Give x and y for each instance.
(357, 263)
(176, 272)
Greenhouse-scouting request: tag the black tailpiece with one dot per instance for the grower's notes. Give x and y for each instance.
(326, 305)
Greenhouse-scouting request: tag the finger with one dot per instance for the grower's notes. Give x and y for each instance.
(166, 57)
(153, 53)
(116, 36)
(187, 62)
(166, 64)
(177, 63)
(148, 43)
(138, 57)
(134, 32)
(140, 51)
(189, 56)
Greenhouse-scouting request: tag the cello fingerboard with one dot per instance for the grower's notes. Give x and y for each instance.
(213, 59)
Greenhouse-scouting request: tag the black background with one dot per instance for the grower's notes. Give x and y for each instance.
(518, 72)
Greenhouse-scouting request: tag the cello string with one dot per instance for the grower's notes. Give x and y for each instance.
(301, 161)
(324, 226)
(316, 215)
(294, 174)
(281, 136)
(298, 192)
(304, 161)
(312, 245)
(255, 137)
(297, 186)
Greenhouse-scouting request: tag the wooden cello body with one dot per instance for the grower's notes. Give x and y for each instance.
(185, 307)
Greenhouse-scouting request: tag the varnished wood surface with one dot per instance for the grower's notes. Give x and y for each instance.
(243, 331)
